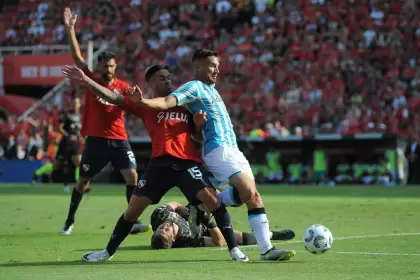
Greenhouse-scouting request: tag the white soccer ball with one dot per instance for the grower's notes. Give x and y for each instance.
(317, 239)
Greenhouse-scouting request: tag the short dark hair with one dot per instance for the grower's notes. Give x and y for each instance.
(106, 56)
(154, 69)
(159, 242)
(203, 53)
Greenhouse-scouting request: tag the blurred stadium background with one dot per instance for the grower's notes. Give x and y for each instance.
(319, 91)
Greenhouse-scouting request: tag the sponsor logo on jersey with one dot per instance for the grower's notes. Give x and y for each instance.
(172, 116)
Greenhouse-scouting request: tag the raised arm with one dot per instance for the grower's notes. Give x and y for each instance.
(159, 103)
(185, 94)
(74, 73)
(70, 21)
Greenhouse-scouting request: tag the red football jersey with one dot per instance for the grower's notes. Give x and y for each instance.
(100, 118)
(169, 130)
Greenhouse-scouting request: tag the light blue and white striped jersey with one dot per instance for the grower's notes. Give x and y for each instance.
(218, 130)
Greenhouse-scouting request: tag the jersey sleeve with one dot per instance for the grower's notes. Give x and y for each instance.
(132, 107)
(90, 74)
(191, 241)
(186, 93)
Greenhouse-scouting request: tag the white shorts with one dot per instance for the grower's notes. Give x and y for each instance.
(225, 162)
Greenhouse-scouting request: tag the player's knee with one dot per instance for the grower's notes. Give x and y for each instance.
(76, 161)
(246, 194)
(255, 200)
(82, 184)
(136, 207)
(245, 186)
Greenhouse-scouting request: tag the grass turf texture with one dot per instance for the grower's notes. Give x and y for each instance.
(31, 247)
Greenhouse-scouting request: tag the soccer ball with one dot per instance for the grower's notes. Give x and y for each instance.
(317, 239)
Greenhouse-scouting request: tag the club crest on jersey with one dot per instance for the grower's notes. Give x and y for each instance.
(142, 183)
(176, 116)
(86, 167)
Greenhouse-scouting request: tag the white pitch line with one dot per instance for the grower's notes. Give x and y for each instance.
(376, 253)
(369, 253)
(344, 238)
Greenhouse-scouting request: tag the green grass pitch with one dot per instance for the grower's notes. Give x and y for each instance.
(376, 231)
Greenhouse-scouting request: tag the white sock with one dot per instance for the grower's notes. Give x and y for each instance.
(261, 230)
(226, 197)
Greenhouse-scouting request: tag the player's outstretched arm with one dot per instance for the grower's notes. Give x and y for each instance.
(74, 73)
(216, 238)
(160, 103)
(70, 21)
(187, 93)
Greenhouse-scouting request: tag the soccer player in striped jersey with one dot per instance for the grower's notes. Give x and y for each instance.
(220, 152)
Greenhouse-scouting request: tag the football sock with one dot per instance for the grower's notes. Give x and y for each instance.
(230, 197)
(282, 235)
(76, 197)
(121, 231)
(45, 169)
(129, 191)
(222, 218)
(248, 239)
(258, 222)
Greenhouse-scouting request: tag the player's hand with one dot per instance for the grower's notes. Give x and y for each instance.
(73, 73)
(69, 19)
(129, 91)
(136, 95)
(200, 118)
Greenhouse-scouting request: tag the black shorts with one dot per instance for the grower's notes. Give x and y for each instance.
(68, 148)
(164, 173)
(99, 151)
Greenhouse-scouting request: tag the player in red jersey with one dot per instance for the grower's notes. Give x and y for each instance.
(103, 125)
(175, 161)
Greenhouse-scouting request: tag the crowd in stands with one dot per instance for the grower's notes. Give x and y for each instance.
(31, 139)
(288, 67)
